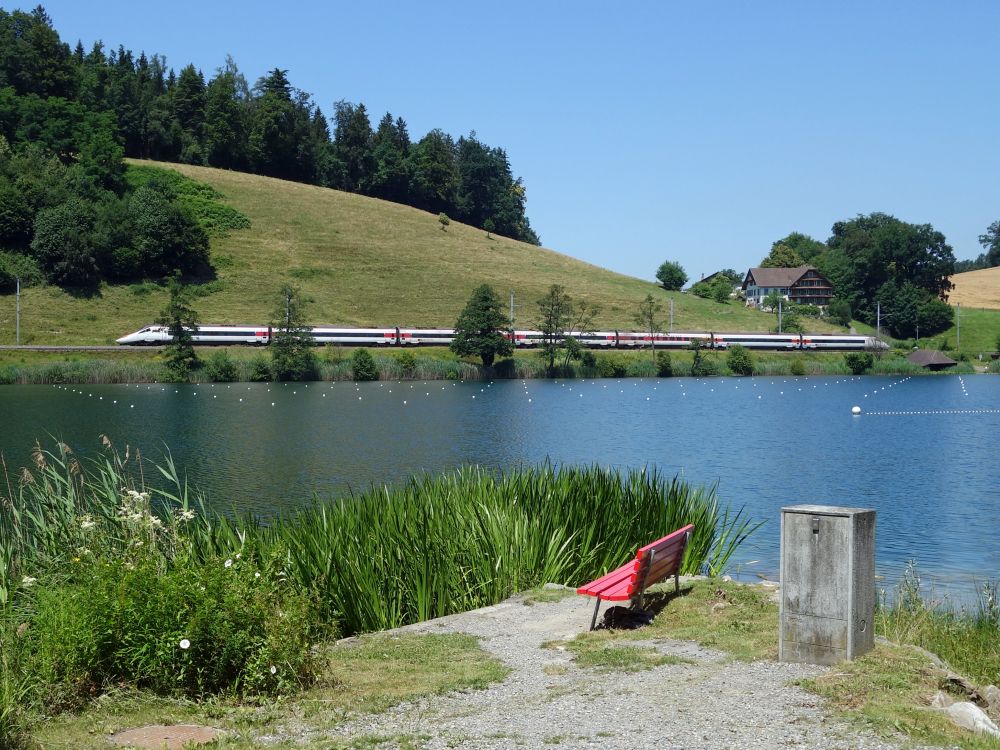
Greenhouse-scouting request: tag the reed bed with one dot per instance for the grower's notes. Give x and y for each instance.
(388, 556)
(335, 365)
(470, 538)
(112, 570)
(85, 372)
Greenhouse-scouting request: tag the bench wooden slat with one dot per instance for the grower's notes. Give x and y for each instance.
(615, 586)
(675, 537)
(652, 563)
(663, 567)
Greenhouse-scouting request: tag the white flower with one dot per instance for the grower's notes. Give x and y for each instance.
(256, 575)
(274, 669)
(186, 515)
(86, 522)
(28, 581)
(135, 517)
(155, 522)
(229, 563)
(185, 644)
(239, 555)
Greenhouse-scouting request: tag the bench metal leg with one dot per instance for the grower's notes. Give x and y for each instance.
(597, 606)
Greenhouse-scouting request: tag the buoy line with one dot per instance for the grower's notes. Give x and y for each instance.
(931, 411)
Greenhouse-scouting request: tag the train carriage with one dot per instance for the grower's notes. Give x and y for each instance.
(262, 335)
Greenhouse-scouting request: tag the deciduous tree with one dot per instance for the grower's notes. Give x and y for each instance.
(671, 276)
(555, 314)
(782, 256)
(648, 317)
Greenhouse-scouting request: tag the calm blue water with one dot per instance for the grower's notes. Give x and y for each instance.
(923, 453)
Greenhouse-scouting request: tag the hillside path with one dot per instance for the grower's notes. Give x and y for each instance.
(547, 701)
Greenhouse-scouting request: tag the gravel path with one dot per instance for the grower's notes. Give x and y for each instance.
(548, 702)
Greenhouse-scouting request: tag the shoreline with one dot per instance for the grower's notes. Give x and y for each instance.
(73, 367)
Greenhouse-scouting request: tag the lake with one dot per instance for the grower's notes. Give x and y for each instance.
(923, 452)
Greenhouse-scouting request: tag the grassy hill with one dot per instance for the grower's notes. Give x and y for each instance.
(363, 262)
(977, 289)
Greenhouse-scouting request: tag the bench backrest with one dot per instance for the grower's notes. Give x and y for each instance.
(660, 559)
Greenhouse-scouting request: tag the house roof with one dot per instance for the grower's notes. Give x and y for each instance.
(928, 358)
(776, 276)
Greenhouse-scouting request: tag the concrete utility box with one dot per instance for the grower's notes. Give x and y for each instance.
(827, 583)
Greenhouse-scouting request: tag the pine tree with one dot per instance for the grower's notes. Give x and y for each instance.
(292, 356)
(483, 328)
(181, 320)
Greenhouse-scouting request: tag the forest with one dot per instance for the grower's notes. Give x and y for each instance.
(68, 117)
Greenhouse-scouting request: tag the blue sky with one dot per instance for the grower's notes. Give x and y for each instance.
(698, 132)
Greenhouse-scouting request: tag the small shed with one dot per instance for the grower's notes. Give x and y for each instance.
(931, 360)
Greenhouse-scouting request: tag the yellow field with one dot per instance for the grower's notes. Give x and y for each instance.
(977, 289)
(363, 262)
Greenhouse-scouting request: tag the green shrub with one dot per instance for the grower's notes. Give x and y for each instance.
(664, 367)
(15, 266)
(220, 368)
(363, 365)
(739, 361)
(859, 362)
(798, 367)
(260, 369)
(993, 366)
(588, 358)
(839, 311)
(611, 367)
(407, 362)
(144, 289)
(703, 366)
(193, 628)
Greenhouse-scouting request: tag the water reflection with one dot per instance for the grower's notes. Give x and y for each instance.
(922, 453)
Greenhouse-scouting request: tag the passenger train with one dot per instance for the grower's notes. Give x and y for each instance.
(261, 335)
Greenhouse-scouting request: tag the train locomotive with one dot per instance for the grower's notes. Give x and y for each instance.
(153, 335)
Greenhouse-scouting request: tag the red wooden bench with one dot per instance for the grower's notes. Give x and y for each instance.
(652, 563)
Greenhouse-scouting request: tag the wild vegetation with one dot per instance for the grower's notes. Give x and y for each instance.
(236, 364)
(106, 579)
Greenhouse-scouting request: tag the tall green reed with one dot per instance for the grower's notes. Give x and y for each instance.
(392, 555)
(473, 537)
(968, 638)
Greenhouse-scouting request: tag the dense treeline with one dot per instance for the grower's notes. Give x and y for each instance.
(885, 270)
(50, 94)
(989, 259)
(79, 222)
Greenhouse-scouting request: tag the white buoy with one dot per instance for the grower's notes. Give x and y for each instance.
(855, 410)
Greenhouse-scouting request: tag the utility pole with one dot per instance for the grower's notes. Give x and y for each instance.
(878, 320)
(17, 314)
(512, 306)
